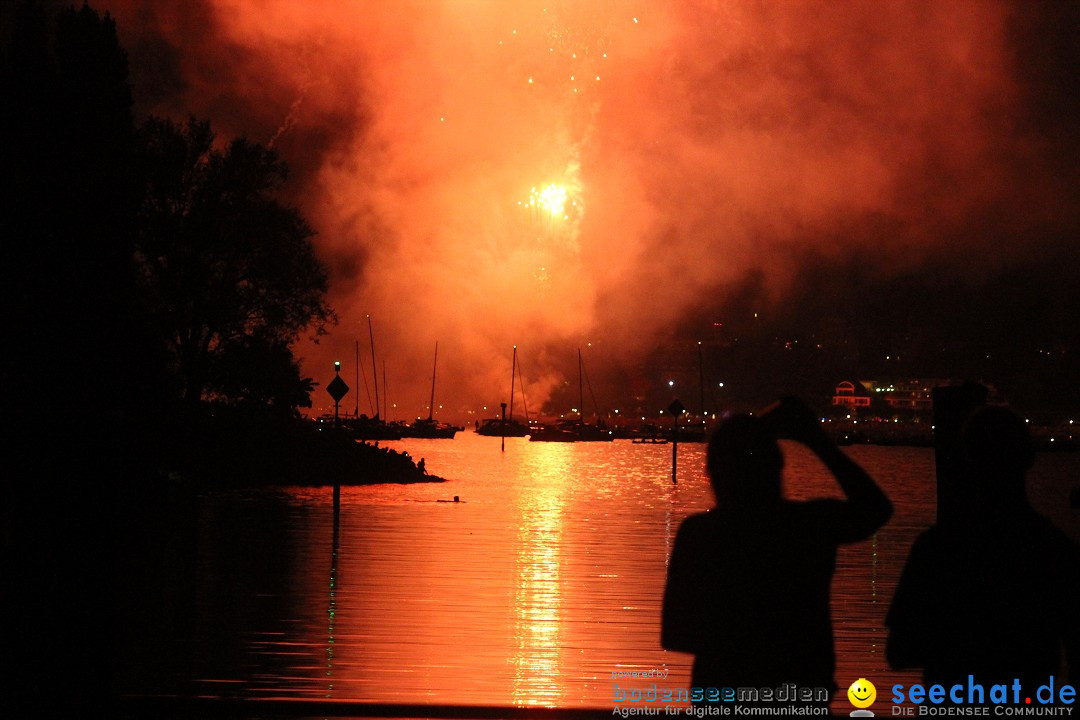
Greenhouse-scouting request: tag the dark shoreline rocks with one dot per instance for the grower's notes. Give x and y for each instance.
(222, 451)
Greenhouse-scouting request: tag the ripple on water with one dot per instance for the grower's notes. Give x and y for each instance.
(543, 579)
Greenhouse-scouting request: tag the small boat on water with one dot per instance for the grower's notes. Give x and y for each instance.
(559, 432)
(507, 426)
(365, 428)
(574, 430)
(429, 427)
(497, 427)
(690, 433)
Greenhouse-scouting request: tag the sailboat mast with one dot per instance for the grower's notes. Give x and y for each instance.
(513, 370)
(374, 374)
(701, 379)
(524, 400)
(431, 405)
(356, 412)
(580, 390)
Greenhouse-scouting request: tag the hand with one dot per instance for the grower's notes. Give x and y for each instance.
(797, 421)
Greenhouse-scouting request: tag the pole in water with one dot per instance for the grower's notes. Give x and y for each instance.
(337, 389)
(337, 373)
(676, 409)
(675, 453)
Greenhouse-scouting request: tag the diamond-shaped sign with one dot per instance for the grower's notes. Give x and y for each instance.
(337, 388)
(676, 408)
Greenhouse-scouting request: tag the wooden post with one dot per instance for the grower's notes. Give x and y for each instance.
(676, 409)
(675, 452)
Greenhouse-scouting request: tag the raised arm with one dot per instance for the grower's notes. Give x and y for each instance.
(868, 508)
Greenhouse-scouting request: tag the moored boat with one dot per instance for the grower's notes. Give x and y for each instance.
(574, 430)
(365, 428)
(429, 427)
(507, 426)
(497, 427)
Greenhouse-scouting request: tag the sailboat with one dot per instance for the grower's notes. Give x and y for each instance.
(574, 430)
(507, 426)
(429, 427)
(374, 428)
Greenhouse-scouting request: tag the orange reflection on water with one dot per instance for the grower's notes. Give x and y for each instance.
(537, 590)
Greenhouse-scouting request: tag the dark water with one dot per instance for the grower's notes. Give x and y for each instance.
(544, 579)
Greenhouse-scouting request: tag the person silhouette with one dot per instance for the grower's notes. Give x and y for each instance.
(748, 582)
(993, 590)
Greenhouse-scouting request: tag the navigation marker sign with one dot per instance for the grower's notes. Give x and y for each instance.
(337, 388)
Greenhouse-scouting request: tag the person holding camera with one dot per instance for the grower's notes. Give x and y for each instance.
(748, 581)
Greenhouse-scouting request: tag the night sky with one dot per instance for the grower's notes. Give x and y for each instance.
(816, 192)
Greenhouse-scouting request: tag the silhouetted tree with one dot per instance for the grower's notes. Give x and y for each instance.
(229, 271)
(68, 213)
(79, 369)
(260, 372)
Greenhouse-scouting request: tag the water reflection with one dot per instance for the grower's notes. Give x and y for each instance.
(537, 586)
(542, 581)
(332, 609)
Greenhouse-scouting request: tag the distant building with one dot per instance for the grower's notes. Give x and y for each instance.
(909, 395)
(899, 395)
(851, 395)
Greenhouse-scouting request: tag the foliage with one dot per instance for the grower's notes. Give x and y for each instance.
(67, 202)
(230, 273)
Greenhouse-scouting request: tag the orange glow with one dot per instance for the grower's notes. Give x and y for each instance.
(726, 138)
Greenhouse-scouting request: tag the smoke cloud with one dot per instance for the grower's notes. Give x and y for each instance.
(555, 173)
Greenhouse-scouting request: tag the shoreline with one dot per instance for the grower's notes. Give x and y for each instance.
(233, 452)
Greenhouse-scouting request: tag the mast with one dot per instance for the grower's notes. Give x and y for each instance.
(580, 390)
(524, 401)
(701, 380)
(431, 405)
(513, 369)
(356, 412)
(374, 374)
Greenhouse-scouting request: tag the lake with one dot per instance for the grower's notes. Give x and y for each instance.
(540, 582)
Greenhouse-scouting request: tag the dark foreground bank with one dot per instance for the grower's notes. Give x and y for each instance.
(231, 450)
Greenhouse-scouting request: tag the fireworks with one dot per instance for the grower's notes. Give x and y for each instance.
(552, 199)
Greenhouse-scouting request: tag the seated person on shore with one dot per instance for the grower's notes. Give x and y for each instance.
(992, 591)
(748, 584)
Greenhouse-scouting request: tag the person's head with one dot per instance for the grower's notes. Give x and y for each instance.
(744, 463)
(997, 452)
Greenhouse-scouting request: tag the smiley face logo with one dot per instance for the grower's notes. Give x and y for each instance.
(862, 693)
